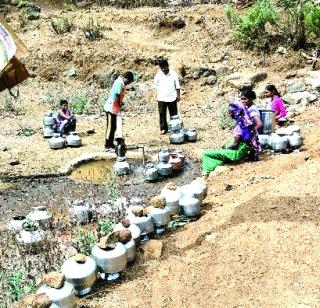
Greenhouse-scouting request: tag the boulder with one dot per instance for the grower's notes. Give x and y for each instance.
(313, 80)
(54, 280)
(297, 98)
(80, 258)
(110, 241)
(34, 301)
(152, 248)
(294, 87)
(211, 80)
(158, 202)
(244, 80)
(125, 236)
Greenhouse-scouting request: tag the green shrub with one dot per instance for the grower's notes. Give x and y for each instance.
(249, 30)
(105, 227)
(92, 29)
(85, 240)
(62, 25)
(79, 103)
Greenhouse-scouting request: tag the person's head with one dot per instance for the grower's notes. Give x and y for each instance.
(271, 91)
(64, 104)
(127, 77)
(247, 97)
(164, 66)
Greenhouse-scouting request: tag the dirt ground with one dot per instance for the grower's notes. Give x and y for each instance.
(254, 245)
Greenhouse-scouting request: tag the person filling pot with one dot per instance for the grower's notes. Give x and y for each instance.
(245, 141)
(276, 104)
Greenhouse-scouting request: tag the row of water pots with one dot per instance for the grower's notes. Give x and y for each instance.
(58, 142)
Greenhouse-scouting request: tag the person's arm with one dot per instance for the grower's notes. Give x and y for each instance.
(236, 141)
(282, 109)
(177, 85)
(178, 95)
(258, 122)
(63, 115)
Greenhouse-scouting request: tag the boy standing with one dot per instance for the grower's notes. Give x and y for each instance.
(168, 93)
(113, 107)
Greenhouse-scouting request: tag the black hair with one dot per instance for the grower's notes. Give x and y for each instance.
(128, 75)
(248, 93)
(163, 63)
(273, 89)
(63, 101)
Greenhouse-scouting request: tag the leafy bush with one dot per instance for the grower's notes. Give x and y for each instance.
(104, 227)
(92, 30)
(85, 240)
(250, 29)
(62, 25)
(80, 104)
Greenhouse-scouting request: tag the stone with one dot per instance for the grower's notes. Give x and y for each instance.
(125, 222)
(137, 211)
(80, 258)
(313, 80)
(212, 237)
(282, 50)
(125, 236)
(72, 72)
(244, 80)
(158, 202)
(171, 186)
(110, 241)
(14, 162)
(296, 98)
(223, 70)
(34, 301)
(54, 280)
(294, 87)
(152, 248)
(219, 170)
(147, 210)
(312, 98)
(211, 80)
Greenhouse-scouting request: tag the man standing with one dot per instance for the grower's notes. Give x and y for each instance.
(168, 93)
(113, 107)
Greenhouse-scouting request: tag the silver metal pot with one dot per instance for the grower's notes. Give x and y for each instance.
(145, 224)
(31, 240)
(192, 190)
(73, 140)
(191, 135)
(268, 120)
(164, 169)
(190, 206)
(63, 297)
(175, 123)
(48, 119)
(176, 162)
(40, 215)
(15, 224)
(121, 166)
(56, 142)
(172, 199)
(150, 172)
(278, 143)
(163, 155)
(177, 137)
(160, 217)
(130, 250)
(133, 228)
(48, 132)
(295, 141)
(81, 275)
(202, 185)
(264, 140)
(180, 155)
(110, 261)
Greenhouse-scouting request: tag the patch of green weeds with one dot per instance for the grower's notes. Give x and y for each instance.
(105, 227)
(92, 29)
(80, 103)
(26, 132)
(63, 24)
(85, 240)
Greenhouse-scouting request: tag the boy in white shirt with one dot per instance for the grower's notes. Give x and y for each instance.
(168, 93)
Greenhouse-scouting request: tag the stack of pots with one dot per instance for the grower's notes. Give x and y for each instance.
(164, 167)
(48, 125)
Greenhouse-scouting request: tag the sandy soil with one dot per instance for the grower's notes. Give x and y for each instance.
(255, 245)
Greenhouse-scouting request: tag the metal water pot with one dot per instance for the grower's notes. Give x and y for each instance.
(191, 135)
(180, 155)
(82, 275)
(40, 215)
(176, 162)
(164, 169)
(150, 172)
(48, 119)
(278, 143)
(31, 240)
(145, 224)
(160, 217)
(133, 228)
(264, 140)
(16, 223)
(63, 297)
(56, 142)
(294, 129)
(192, 190)
(73, 140)
(110, 261)
(79, 213)
(295, 141)
(163, 155)
(121, 166)
(190, 206)
(175, 123)
(130, 250)
(202, 184)
(268, 121)
(48, 132)
(177, 137)
(172, 200)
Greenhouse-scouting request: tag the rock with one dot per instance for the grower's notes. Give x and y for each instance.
(137, 211)
(158, 202)
(147, 210)
(199, 72)
(244, 80)
(125, 222)
(54, 280)
(110, 241)
(223, 70)
(72, 72)
(212, 237)
(14, 162)
(80, 258)
(294, 87)
(211, 80)
(91, 131)
(178, 23)
(312, 98)
(282, 50)
(219, 170)
(171, 186)
(152, 248)
(296, 98)
(34, 301)
(3, 149)
(125, 236)
(313, 80)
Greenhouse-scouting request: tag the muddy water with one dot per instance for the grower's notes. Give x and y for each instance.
(90, 183)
